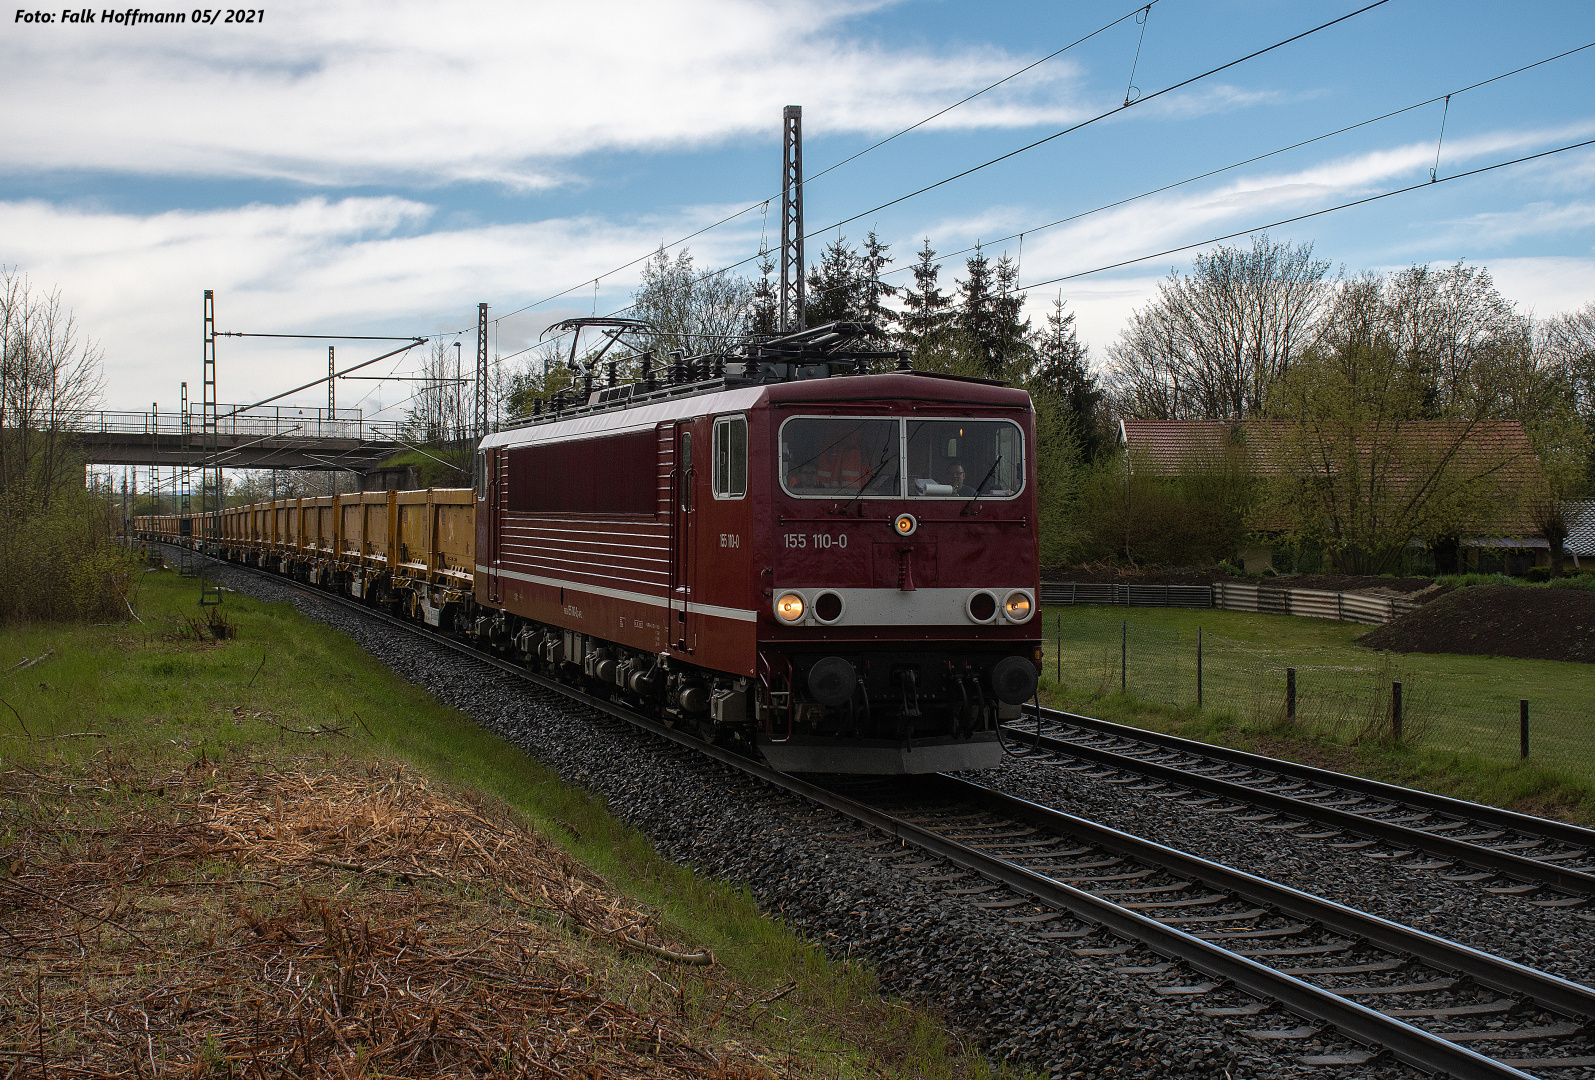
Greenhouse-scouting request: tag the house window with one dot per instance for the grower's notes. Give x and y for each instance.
(731, 457)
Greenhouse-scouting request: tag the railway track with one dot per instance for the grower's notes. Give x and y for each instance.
(1504, 853)
(1257, 947)
(1254, 948)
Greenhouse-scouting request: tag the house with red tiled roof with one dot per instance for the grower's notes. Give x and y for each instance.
(1493, 462)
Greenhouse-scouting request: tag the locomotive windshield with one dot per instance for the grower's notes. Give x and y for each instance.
(840, 456)
(947, 459)
(959, 459)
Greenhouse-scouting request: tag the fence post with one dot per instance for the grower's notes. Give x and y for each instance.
(1290, 693)
(1523, 727)
(1395, 711)
(1124, 653)
(1060, 648)
(1198, 667)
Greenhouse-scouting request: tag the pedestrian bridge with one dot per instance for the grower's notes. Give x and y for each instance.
(264, 437)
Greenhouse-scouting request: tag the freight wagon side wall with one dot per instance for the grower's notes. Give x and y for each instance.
(320, 517)
(437, 529)
(352, 511)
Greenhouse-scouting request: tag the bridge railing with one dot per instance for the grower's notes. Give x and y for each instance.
(310, 423)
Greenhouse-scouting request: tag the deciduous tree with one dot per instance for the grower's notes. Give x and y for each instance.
(694, 313)
(1216, 340)
(1364, 466)
(49, 379)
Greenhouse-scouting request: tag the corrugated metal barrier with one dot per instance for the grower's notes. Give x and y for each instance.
(1055, 592)
(1313, 603)
(1236, 596)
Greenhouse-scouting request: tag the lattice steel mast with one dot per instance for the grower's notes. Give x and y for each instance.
(792, 264)
(479, 427)
(210, 473)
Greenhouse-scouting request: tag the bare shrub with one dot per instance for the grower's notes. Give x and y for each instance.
(61, 562)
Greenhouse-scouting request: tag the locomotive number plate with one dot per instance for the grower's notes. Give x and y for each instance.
(818, 541)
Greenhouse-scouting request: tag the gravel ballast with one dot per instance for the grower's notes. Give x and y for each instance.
(1031, 1001)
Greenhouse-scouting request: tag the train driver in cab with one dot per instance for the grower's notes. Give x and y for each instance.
(957, 480)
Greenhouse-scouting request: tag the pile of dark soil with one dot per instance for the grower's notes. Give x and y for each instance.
(1355, 583)
(1112, 575)
(1497, 620)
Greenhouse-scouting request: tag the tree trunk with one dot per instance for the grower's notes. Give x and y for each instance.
(1557, 537)
(1447, 555)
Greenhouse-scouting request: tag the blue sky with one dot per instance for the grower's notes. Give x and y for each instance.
(380, 169)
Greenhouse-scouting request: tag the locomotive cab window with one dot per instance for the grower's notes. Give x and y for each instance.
(684, 472)
(959, 459)
(840, 456)
(731, 457)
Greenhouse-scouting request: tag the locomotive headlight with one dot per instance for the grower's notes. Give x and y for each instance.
(905, 524)
(789, 607)
(1017, 607)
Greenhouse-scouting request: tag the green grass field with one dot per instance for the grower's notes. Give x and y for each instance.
(1461, 713)
(290, 690)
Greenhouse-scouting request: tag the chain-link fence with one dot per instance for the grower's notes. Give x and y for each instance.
(1382, 697)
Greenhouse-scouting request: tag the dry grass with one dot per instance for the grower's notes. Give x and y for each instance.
(253, 920)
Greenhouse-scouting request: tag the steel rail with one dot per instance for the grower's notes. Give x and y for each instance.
(1551, 991)
(1505, 863)
(1406, 1042)
(1574, 835)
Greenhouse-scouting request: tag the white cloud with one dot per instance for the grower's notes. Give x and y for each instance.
(1191, 214)
(495, 91)
(1548, 285)
(358, 265)
(1214, 98)
(1535, 219)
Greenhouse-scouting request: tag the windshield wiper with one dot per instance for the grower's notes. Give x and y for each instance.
(989, 473)
(863, 482)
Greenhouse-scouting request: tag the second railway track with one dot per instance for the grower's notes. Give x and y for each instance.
(1257, 945)
(1502, 852)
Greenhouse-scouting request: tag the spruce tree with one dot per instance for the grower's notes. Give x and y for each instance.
(1009, 332)
(1062, 372)
(872, 291)
(976, 318)
(764, 315)
(926, 309)
(833, 294)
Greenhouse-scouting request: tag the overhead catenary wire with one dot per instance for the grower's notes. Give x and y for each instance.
(983, 90)
(1142, 100)
(831, 168)
(816, 233)
(317, 382)
(1256, 157)
(1190, 179)
(1209, 173)
(1263, 156)
(1421, 186)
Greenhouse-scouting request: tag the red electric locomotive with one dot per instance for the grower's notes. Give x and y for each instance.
(840, 569)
